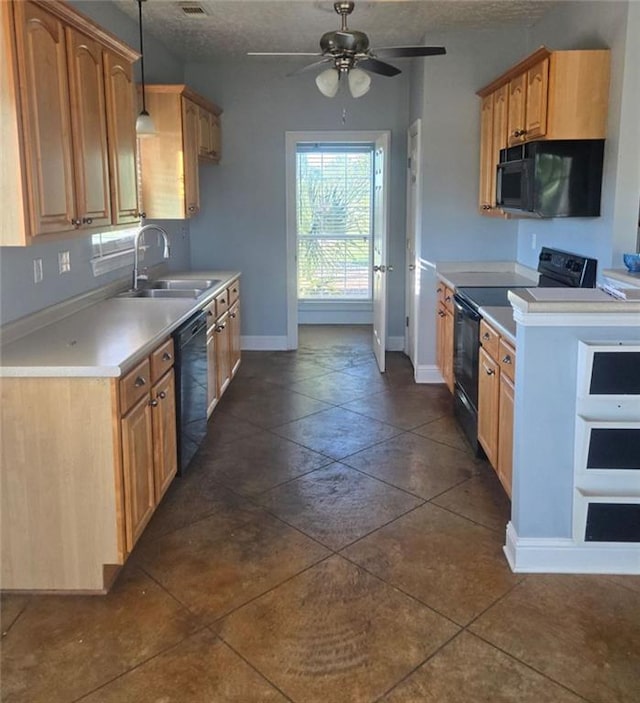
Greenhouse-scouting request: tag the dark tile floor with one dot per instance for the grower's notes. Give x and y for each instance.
(335, 540)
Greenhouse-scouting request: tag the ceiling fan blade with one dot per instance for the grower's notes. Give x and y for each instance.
(401, 51)
(311, 66)
(282, 53)
(375, 66)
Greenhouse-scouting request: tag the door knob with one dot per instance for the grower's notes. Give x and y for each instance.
(382, 268)
(412, 267)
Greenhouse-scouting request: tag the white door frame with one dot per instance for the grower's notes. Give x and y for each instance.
(414, 217)
(291, 141)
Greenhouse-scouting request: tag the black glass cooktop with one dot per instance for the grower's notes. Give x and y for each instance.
(480, 296)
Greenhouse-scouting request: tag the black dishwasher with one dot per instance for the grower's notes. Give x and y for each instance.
(190, 341)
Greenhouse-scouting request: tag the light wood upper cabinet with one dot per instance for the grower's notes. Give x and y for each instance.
(55, 175)
(185, 133)
(89, 123)
(548, 95)
(120, 92)
(46, 119)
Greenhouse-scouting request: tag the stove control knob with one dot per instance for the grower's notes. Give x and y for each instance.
(569, 264)
(577, 266)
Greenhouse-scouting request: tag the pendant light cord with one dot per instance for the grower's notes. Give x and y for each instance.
(144, 107)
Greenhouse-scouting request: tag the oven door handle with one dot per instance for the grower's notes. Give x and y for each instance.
(465, 309)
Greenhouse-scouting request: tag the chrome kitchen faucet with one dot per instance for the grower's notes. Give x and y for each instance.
(136, 241)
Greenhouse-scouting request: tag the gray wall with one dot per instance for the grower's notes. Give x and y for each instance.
(19, 294)
(242, 221)
(614, 25)
(452, 229)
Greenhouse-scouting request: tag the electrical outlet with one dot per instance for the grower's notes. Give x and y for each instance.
(533, 240)
(64, 262)
(37, 271)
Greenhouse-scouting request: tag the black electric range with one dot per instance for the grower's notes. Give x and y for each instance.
(556, 269)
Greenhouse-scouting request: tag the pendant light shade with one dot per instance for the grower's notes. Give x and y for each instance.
(359, 82)
(328, 82)
(144, 123)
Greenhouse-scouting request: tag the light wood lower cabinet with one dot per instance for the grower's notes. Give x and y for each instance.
(84, 463)
(223, 353)
(234, 338)
(496, 390)
(445, 321)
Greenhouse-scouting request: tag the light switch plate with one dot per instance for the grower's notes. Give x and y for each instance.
(64, 261)
(37, 271)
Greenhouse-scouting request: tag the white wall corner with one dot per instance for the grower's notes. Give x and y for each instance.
(263, 343)
(428, 373)
(395, 344)
(557, 555)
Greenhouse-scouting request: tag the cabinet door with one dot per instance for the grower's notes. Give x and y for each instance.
(505, 433)
(204, 133)
(212, 370)
(223, 354)
(536, 101)
(137, 464)
(46, 120)
(447, 351)
(488, 398)
(122, 138)
(487, 166)
(500, 128)
(234, 338)
(216, 138)
(517, 106)
(88, 119)
(190, 122)
(165, 453)
(440, 335)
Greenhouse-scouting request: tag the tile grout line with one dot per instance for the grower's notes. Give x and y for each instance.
(5, 633)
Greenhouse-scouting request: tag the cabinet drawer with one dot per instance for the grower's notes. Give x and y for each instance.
(161, 360)
(135, 385)
(234, 292)
(489, 339)
(222, 303)
(210, 311)
(507, 359)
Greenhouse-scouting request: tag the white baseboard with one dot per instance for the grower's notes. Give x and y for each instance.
(263, 343)
(395, 344)
(566, 556)
(428, 373)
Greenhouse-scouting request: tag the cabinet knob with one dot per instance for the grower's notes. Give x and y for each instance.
(506, 359)
(141, 215)
(192, 208)
(209, 313)
(140, 381)
(76, 222)
(412, 267)
(219, 328)
(486, 336)
(440, 313)
(87, 220)
(232, 314)
(153, 403)
(223, 301)
(447, 299)
(166, 357)
(162, 395)
(490, 372)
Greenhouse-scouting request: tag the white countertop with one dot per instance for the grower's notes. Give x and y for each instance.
(623, 277)
(485, 273)
(107, 338)
(571, 300)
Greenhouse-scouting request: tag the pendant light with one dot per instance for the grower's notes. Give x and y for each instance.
(144, 123)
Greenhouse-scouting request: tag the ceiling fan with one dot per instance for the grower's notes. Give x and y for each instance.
(349, 52)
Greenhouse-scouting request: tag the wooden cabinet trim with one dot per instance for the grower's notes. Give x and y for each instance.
(184, 90)
(513, 71)
(135, 385)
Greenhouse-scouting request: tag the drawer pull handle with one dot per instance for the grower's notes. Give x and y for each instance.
(162, 395)
(220, 328)
(140, 381)
(209, 313)
(153, 403)
(440, 313)
(486, 336)
(489, 372)
(506, 359)
(166, 357)
(438, 290)
(223, 301)
(232, 314)
(447, 299)
(235, 290)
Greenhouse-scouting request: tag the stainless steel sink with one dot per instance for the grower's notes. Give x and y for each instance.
(163, 293)
(184, 283)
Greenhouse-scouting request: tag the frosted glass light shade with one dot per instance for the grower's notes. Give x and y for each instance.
(328, 82)
(359, 82)
(145, 126)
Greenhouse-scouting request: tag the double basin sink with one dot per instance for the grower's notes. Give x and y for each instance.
(173, 288)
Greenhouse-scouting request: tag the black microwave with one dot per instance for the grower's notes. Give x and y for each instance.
(556, 178)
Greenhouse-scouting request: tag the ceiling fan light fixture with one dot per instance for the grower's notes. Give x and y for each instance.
(359, 82)
(328, 82)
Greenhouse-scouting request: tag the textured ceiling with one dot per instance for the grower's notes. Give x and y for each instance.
(234, 27)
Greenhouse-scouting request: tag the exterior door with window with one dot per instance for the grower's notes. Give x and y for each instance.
(380, 265)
